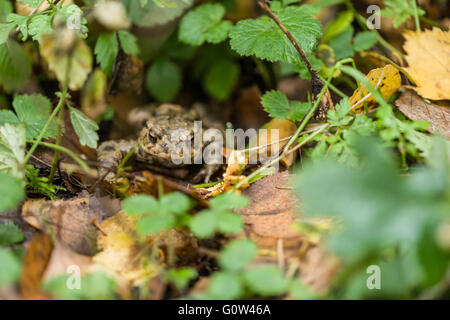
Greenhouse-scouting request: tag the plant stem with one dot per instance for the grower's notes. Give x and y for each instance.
(416, 15)
(47, 124)
(70, 153)
(58, 142)
(433, 23)
(291, 38)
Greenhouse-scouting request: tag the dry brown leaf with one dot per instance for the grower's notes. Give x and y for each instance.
(428, 56)
(415, 108)
(36, 259)
(71, 221)
(271, 215)
(387, 80)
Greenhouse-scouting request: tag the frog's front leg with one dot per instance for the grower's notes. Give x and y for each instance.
(110, 154)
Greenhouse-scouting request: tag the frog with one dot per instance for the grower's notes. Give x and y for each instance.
(156, 143)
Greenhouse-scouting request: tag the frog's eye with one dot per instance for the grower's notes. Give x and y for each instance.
(151, 137)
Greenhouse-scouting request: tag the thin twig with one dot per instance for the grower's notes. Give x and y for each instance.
(291, 38)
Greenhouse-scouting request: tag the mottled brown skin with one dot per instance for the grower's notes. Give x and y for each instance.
(156, 144)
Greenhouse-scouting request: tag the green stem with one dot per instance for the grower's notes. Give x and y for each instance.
(416, 15)
(300, 128)
(433, 23)
(47, 124)
(58, 142)
(70, 153)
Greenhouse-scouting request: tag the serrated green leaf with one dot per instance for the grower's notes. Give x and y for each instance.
(12, 192)
(106, 50)
(237, 254)
(10, 234)
(84, 127)
(155, 223)
(15, 66)
(33, 112)
(264, 39)
(164, 80)
(279, 107)
(220, 78)
(128, 42)
(40, 25)
(21, 22)
(204, 24)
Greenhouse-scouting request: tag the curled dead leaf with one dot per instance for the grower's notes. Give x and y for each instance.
(387, 80)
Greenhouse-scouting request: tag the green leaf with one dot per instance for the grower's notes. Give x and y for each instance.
(229, 223)
(5, 29)
(128, 42)
(364, 41)
(10, 234)
(266, 281)
(342, 44)
(10, 268)
(338, 25)
(15, 66)
(40, 25)
(106, 50)
(264, 39)
(32, 3)
(203, 224)
(338, 116)
(155, 223)
(204, 24)
(140, 204)
(84, 127)
(220, 78)
(400, 10)
(237, 254)
(278, 106)
(12, 150)
(32, 112)
(180, 277)
(226, 286)
(21, 22)
(176, 203)
(164, 80)
(6, 8)
(229, 201)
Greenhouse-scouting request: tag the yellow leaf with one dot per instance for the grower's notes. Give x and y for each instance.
(428, 56)
(73, 57)
(387, 80)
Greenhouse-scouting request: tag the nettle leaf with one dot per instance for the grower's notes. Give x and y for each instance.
(10, 234)
(32, 112)
(84, 127)
(128, 42)
(220, 78)
(15, 66)
(364, 41)
(204, 24)
(164, 80)
(264, 39)
(106, 50)
(12, 150)
(279, 107)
